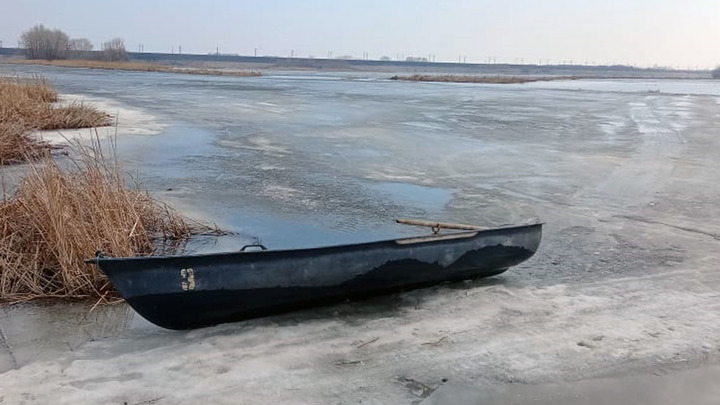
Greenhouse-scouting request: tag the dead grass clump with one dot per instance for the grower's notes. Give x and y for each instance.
(74, 115)
(479, 79)
(38, 89)
(59, 217)
(216, 72)
(28, 105)
(19, 99)
(16, 146)
(133, 66)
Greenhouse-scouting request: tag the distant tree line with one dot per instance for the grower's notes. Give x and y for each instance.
(716, 73)
(416, 59)
(40, 42)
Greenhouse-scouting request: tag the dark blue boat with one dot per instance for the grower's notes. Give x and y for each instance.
(184, 292)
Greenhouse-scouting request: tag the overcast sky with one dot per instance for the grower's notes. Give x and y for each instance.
(642, 32)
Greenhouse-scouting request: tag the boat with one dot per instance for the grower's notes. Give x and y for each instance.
(192, 291)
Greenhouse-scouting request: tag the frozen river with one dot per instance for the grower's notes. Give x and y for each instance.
(624, 173)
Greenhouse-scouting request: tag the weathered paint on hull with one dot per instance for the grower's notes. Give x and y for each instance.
(194, 291)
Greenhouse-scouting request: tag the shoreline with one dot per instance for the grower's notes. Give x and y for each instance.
(457, 74)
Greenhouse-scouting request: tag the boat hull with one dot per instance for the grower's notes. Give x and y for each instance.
(185, 292)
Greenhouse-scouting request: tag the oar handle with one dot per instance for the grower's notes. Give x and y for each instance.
(439, 225)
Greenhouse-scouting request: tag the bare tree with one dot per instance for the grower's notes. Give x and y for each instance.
(44, 43)
(114, 50)
(80, 45)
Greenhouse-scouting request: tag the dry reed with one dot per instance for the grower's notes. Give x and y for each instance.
(16, 146)
(28, 105)
(59, 216)
(479, 79)
(133, 66)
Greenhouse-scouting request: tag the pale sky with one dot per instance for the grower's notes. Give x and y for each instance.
(641, 32)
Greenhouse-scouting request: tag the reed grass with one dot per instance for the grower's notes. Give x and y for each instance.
(30, 105)
(479, 79)
(60, 216)
(16, 146)
(133, 66)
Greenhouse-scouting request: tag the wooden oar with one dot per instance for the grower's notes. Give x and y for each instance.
(436, 226)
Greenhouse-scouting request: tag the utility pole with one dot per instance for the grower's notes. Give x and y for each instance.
(180, 49)
(255, 52)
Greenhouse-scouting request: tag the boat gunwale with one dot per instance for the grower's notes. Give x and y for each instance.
(478, 233)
